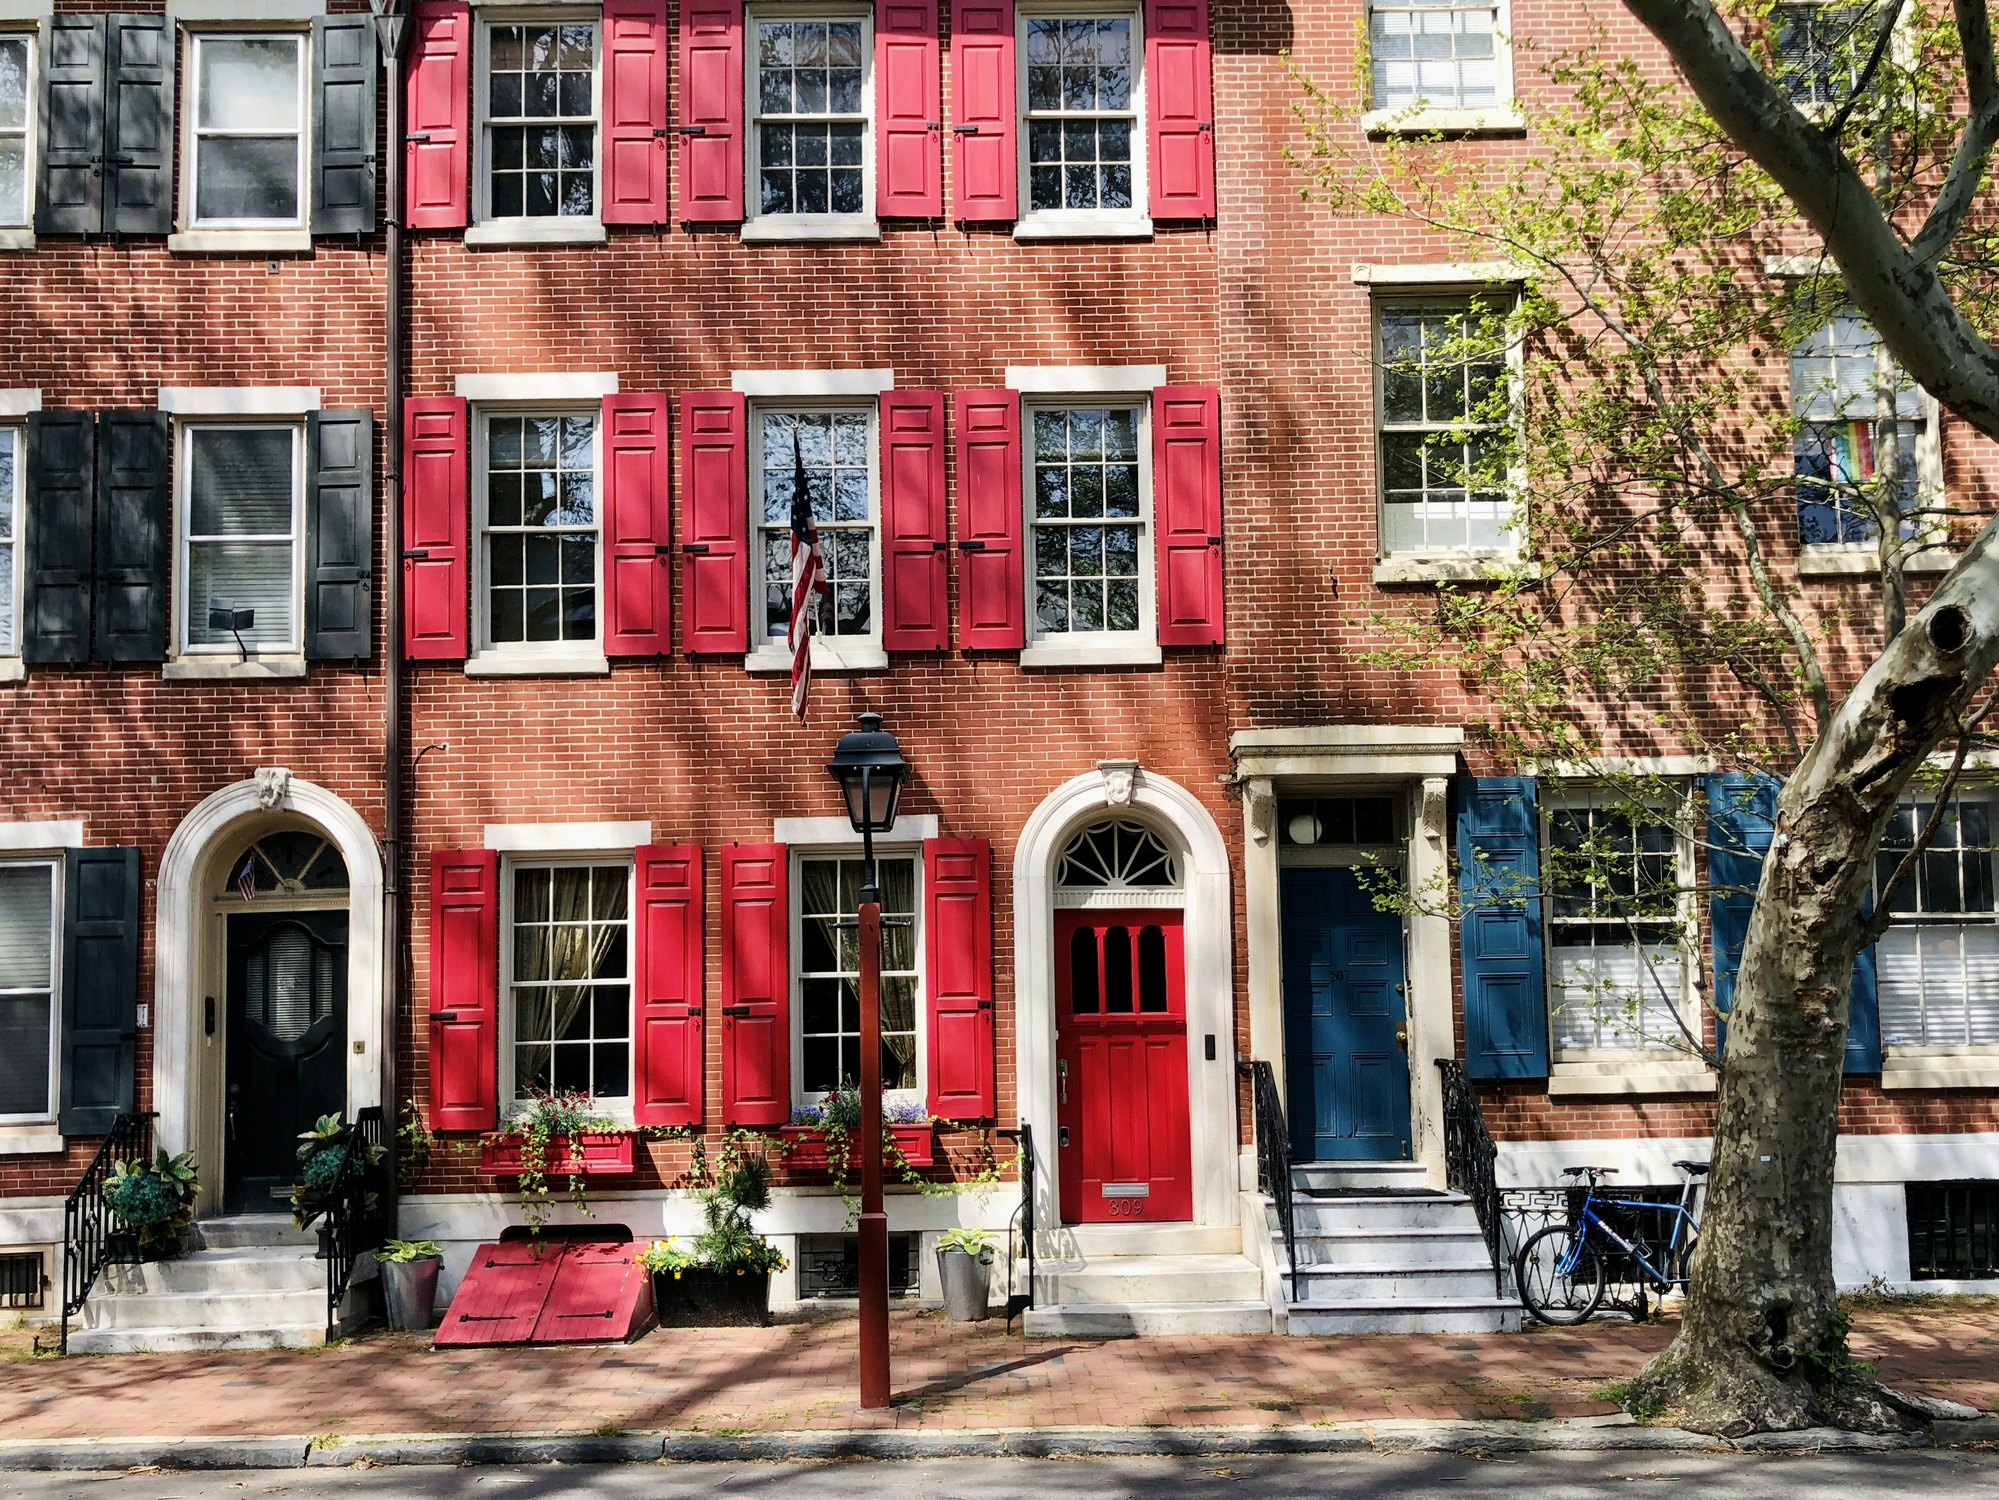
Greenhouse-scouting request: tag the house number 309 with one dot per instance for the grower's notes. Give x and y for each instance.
(1126, 1208)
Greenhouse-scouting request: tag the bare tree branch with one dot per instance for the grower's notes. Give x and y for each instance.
(1861, 84)
(1974, 142)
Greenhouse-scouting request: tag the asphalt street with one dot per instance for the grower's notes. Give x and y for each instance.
(1552, 1476)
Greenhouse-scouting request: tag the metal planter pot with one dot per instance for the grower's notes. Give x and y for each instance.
(967, 1284)
(409, 1292)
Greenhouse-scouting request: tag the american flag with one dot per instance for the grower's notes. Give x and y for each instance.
(246, 878)
(808, 578)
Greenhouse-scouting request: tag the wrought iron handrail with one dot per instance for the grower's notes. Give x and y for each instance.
(352, 1221)
(1273, 1157)
(90, 1243)
(1023, 1215)
(1470, 1159)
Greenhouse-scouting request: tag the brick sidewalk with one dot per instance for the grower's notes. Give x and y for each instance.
(799, 1376)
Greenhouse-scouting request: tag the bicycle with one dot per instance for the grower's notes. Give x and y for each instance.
(1560, 1270)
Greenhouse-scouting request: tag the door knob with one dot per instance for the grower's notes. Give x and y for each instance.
(1402, 1037)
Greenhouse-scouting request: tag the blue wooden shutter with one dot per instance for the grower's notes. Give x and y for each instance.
(1499, 873)
(100, 987)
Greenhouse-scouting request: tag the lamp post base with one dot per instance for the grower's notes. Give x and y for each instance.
(873, 1256)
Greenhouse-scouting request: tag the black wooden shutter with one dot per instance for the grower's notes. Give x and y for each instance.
(339, 537)
(100, 987)
(133, 536)
(343, 125)
(70, 199)
(55, 604)
(138, 125)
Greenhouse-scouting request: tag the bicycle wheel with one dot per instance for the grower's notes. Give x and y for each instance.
(1552, 1294)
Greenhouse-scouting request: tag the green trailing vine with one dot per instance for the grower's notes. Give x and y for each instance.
(558, 1121)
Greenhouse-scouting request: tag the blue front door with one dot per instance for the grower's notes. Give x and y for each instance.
(1345, 1055)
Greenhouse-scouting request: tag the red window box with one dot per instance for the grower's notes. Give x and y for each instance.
(917, 1143)
(596, 1153)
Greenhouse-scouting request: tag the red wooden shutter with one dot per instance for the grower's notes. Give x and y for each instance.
(1187, 512)
(914, 604)
(756, 985)
(438, 146)
(1180, 109)
(984, 185)
(635, 123)
(958, 938)
(909, 110)
(435, 523)
(711, 111)
(666, 1011)
(714, 522)
(464, 989)
(992, 612)
(638, 560)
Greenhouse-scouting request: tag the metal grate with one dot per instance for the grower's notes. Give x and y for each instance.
(829, 1265)
(1953, 1231)
(23, 1279)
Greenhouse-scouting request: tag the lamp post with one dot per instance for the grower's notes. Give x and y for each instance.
(869, 766)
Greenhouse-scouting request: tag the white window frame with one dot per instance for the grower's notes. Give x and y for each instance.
(1062, 223)
(910, 849)
(853, 653)
(54, 865)
(799, 226)
(227, 652)
(554, 229)
(192, 132)
(1501, 117)
(503, 658)
(20, 233)
(1138, 647)
(1918, 1055)
(15, 546)
(619, 1109)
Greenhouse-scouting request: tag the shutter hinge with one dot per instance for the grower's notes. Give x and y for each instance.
(660, 132)
(662, 549)
(1205, 125)
(933, 124)
(1214, 541)
(964, 130)
(940, 546)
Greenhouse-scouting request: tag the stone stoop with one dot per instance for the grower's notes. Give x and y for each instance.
(1145, 1280)
(1380, 1252)
(249, 1282)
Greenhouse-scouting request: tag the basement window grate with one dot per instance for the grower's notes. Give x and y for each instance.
(23, 1279)
(1953, 1231)
(829, 1265)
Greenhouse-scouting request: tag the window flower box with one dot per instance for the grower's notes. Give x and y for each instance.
(916, 1141)
(595, 1153)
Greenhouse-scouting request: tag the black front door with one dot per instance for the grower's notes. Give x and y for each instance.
(287, 1044)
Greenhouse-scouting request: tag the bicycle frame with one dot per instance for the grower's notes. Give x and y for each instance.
(1683, 1218)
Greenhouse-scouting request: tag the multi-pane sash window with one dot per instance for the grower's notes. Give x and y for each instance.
(838, 453)
(811, 115)
(1819, 48)
(1081, 113)
(829, 996)
(541, 528)
(1615, 972)
(249, 129)
(27, 989)
(14, 106)
(1442, 406)
(1937, 968)
(10, 540)
(1087, 501)
(541, 120)
(568, 957)
(1436, 53)
(1840, 375)
(242, 488)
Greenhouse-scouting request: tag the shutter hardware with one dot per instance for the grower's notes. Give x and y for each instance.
(736, 1010)
(971, 546)
(416, 554)
(421, 138)
(694, 130)
(698, 548)
(964, 130)
(444, 1015)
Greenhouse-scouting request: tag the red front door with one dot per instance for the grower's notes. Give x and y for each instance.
(1121, 1067)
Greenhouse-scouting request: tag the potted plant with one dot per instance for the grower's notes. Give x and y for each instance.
(964, 1264)
(821, 1136)
(725, 1279)
(322, 1155)
(559, 1134)
(409, 1282)
(155, 1202)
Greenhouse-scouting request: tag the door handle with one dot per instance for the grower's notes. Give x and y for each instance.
(1062, 1082)
(1402, 1037)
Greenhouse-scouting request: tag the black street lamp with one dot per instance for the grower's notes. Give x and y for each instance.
(869, 766)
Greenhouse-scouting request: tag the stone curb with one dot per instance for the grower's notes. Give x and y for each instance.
(158, 1452)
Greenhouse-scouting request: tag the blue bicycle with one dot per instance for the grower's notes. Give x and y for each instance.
(1561, 1271)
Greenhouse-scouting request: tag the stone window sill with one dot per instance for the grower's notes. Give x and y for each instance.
(1862, 560)
(538, 664)
(30, 1140)
(1580, 1079)
(769, 661)
(1443, 567)
(17, 237)
(1973, 1069)
(1089, 654)
(13, 669)
(230, 668)
(1082, 226)
(811, 228)
(240, 242)
(1500, 121)
(528, 233)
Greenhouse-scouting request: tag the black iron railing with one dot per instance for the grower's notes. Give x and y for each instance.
(91, 1238)
(352, 1210)
(1469, 1160)
(1022, 1220)
(1273, 1157)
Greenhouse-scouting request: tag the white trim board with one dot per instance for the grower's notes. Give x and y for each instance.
(1062, 380)
(239, 400)
(833, 833)
(244, 10)
(798, 383)
(558, 386)
(558, 838)
(59, 833)
(21, 401)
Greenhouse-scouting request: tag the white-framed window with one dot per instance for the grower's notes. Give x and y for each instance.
(1841, 373)
(811, 91)
(1437, 54)
(1442, 401)
(12, 515)
(247, 150)
(17, 129)
(539, 577)
(1937, 966)
(836, 448)
(826, 979)
(242, 515)
(1082, 102)
(540, 83)
(566, 974)
(1089, 519)
(1819, 48)
(1617, 969)
(30, 949)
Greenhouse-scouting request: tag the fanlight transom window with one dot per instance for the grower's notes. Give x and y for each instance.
(1118, 854)
(291, 863)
